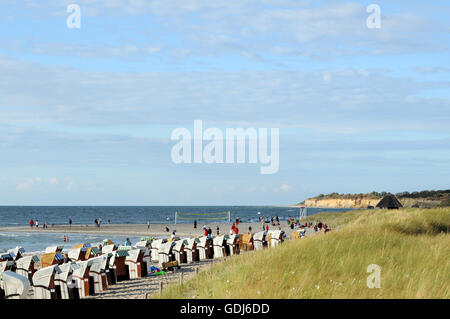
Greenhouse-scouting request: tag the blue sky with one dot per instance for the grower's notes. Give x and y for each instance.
(86, 114)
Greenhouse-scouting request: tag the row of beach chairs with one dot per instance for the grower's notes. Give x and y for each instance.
(93, 269)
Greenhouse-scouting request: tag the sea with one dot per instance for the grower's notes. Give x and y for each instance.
(85, 215)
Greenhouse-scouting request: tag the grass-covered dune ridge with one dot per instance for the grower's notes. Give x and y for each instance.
(411, 246)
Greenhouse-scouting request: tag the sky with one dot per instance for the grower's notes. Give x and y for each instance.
(86, 114)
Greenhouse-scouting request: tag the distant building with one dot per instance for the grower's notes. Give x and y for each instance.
(390, 202)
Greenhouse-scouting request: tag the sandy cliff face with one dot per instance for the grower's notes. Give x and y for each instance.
(365, 202)
(342, 203)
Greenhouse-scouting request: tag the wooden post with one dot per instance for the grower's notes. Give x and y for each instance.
(160, 287)
(181, 278)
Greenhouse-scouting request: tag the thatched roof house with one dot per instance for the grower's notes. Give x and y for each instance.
(390, 202)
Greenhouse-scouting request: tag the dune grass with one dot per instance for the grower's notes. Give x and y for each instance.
(412, 247)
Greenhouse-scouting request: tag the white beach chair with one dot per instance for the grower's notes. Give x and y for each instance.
(108, 249)
(178, 250)
(64, 282)
(133, 262)
(191, 250)
(259, 240)
(15, 286)
(275, 237)
(77, 254)
(25, 266)
(97, 273)
(16, 253)
(218, 246)
(54, 249)
(81, 278)
(44, 282)
(202, 247)
(232, 244)
(165, 252)
(156, 244)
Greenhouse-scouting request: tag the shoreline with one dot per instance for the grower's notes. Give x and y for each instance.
(141, 229)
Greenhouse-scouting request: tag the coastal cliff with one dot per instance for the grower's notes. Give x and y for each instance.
(424, 199)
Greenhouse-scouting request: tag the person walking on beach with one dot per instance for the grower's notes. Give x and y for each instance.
(70, 222)
(205, 231)
(37, 223)
(250, 229)
(217, 229)
(96, 222)
(31, 222)
(195, 224)
(148, 223)
(209, 232)
(99, 222)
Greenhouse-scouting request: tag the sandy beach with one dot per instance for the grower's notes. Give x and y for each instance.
(145, 287)
(141, 229)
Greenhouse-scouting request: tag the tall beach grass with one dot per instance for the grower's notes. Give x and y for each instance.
(411, 246)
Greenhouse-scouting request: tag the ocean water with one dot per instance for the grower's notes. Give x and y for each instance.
(85, 215)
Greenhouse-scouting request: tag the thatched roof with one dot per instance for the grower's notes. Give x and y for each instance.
(389, 201)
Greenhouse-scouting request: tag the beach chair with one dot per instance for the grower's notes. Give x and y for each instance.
(275, 237)
(245, 242)
(97, 274)
(50, 259)
(15, 286)
(16, 253)
(44, 282)
(77, 254)
(108, 249)
(26, 266)
(82, 279)
(232, 241)
(64, 283)
(117, 266)
(259, 240)
(134, 262)
(205, 248)
(178, 251)
(219, 244)
(165, 253)
(4, 256)
(191, 250)
(146, 260)
(54, 249)
(154, 252)
(7, 265)
(92, 252)
(107, 242)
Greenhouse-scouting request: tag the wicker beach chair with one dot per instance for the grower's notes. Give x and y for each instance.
(135, 263)
(245, 242)
(219, 247)
(15, 286)
(64, 283)
(44, 282)
(50, 259)
(190, 247)
(25, 266)
(97, 273)
(54, 249)
(81, 279)
(275, 237)
(156, 244)
(232, 242)
(178, 251)
(165, 253)
(259, 240)
(16, 253)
